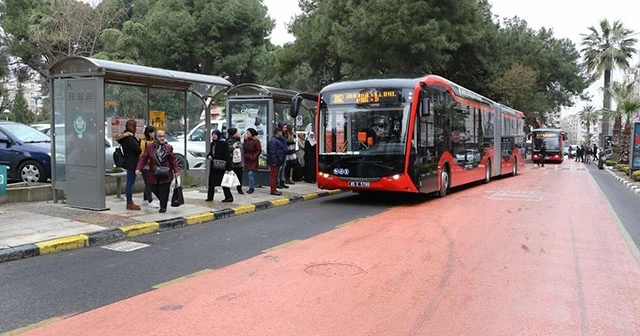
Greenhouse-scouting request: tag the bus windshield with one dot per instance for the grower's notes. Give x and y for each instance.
(351, 129)
(552, 139)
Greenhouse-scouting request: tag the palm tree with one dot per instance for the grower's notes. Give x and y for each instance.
(628, 109)
(621, 93)
(589, 116)
(603, 50)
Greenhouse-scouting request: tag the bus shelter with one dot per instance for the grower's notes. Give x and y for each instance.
(95, 98)
(262, 108)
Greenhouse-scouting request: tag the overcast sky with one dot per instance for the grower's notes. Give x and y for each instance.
(567, 18)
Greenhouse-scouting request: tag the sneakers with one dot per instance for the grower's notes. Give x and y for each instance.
(132, 206)
(154, 205)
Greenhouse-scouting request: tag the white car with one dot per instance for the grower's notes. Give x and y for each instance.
(195, 158)
(468, 155)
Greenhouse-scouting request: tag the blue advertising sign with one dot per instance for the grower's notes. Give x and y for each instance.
(3, 180)
(635, 146)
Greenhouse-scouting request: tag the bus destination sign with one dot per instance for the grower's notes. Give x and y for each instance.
(373, 96)
(547, 135)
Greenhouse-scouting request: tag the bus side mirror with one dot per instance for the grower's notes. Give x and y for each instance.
(564, 137)
(425, 107)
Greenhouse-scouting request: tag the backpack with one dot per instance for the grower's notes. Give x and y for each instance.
(237, 156)
(118, 157)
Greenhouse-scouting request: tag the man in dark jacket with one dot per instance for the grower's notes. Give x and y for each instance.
(276, 150)
(131, 150)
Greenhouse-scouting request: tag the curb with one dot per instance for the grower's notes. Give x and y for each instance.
(108, 236)
(624, 181)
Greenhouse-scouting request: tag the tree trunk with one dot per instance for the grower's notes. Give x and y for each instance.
(617, 138)
(625, 144)
(606, 103)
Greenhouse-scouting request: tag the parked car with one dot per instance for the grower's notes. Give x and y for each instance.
(26, 151)
(468, 155)
(194, 158)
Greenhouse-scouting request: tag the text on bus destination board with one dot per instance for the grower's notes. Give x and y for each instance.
(364, 97)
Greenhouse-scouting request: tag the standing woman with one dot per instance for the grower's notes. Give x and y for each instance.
(149, 136)
(310, 158)
(131, 150)
(251, 153)
(235, 143)
(219, 151)
(159, 153)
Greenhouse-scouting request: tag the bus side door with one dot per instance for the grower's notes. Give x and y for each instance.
(426, 156)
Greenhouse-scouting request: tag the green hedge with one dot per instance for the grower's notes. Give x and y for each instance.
(623, 168)
(636, 175)
(610, 163)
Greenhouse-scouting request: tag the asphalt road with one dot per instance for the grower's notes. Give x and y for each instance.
(67, 283)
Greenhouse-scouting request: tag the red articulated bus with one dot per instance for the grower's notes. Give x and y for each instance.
(422, 135)
(554, 138)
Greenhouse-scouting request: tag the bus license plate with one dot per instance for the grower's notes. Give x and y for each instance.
(359, 184)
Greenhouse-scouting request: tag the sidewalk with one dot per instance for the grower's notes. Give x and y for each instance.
(30, 229)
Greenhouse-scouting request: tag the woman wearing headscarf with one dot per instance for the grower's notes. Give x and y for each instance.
(310, 158)
(159, 153)
(219, 150)
(149, 137)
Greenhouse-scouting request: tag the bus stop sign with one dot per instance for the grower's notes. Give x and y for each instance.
(3, 180)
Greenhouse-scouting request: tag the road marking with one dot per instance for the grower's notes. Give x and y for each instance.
(281, 246)
(514, 195)
(176, 280)
(125, 246)
(63, 244)
(349, 222)
(34, 326)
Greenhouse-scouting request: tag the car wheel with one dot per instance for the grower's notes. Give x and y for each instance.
(183, 164)
(31, 172)
(445, 182)
(487, 172)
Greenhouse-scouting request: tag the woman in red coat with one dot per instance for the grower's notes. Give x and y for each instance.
(251, 152)
(159, 153)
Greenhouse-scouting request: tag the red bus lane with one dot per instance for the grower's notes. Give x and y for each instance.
(537, 254)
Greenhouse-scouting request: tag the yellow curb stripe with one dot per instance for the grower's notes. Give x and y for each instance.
(281, 246)
(334, 192)
(349, 222)
(199, 218)
(63, 244)
(182, 278)
(280, 201)
(140, 229)
(33, 326)
(243, 209)
(310, 196)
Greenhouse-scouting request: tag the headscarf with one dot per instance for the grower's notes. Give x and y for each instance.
(252, 131)
(160, 148)
(312, 141)
(218, 133)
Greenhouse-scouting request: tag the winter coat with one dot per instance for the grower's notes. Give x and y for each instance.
(233, 142)
(276, 151)
(130, 148)
(251, 153)
(219, 150)
(309, 162)
(291, 149)
(149, 157)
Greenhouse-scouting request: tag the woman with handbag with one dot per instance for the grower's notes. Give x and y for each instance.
(221, 163)
(162, 167)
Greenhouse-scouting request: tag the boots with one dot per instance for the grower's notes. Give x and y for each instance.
(240, 190)
(132, 206)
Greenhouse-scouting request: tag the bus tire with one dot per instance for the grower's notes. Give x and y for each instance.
(487, 172)
(445, 181)
(514, 170)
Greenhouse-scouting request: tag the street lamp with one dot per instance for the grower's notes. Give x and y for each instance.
(36, 98)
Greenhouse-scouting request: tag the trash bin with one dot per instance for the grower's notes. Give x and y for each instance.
(3, 180)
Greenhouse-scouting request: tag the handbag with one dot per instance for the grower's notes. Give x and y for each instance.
(160, 170)
(177, 199)
(219, 164)
(230, 180)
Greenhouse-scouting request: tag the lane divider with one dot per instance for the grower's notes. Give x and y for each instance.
(109, 236)
(281, 245)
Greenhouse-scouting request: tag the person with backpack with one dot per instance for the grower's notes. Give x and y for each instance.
(235, 148)
(149, 135)
(131, 149)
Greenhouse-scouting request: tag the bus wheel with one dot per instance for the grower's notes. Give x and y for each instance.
(444, 179)
(514, 170)
(487, 173)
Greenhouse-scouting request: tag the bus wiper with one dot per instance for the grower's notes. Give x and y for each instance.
(36, 141)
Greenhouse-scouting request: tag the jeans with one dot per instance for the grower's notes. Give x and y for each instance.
(131, 180)
(251, 174)
(281, 173)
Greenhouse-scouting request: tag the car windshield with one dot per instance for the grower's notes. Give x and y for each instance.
(26, 133)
